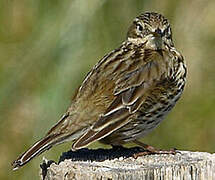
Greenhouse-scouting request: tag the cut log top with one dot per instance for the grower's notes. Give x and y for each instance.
(184, 165)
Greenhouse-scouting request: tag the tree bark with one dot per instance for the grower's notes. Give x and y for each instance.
(184, 165)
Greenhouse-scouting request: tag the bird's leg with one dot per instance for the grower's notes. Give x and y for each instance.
(151, 150)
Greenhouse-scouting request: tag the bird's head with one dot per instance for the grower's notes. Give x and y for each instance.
(151, 29)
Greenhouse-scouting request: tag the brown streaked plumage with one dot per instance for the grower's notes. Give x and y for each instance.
(126, 94)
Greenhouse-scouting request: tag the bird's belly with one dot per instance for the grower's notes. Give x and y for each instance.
(143, 123)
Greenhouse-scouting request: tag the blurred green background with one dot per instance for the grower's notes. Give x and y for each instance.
(47, 47)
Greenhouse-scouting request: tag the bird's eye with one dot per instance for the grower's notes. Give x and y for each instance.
(139, 27)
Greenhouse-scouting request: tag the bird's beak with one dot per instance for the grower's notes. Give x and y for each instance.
(154, 41)
(156, 35)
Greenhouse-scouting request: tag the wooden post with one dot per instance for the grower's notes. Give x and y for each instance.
(184, 165)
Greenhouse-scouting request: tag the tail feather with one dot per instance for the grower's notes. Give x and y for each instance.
(53, 137)
(38, 148)
(56, 135)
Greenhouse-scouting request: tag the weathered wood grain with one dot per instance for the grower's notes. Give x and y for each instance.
(184, 165)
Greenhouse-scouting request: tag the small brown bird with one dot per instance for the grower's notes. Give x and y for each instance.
(125, 95)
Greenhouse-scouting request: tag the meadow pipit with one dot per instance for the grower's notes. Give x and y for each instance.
(125, 95)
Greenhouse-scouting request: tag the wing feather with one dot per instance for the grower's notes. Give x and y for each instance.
(131, 89)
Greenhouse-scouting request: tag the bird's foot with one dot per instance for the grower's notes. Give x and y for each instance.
(151, 150)
(144, 153)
